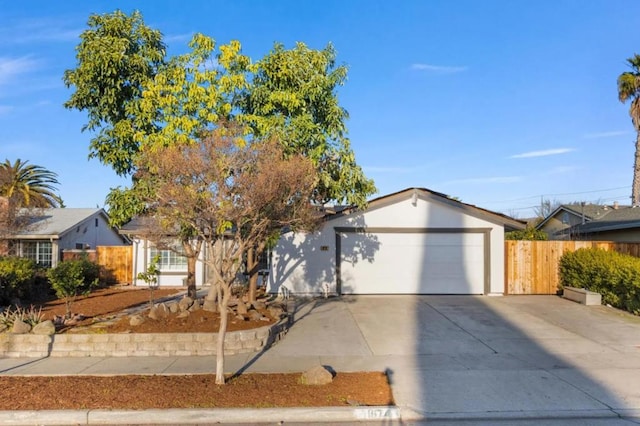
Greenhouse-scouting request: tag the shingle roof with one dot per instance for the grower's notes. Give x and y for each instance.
(55, 222)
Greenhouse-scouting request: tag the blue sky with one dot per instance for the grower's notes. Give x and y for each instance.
(498, 103)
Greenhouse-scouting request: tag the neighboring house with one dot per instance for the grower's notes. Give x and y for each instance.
(415, 241)
(593, 222)
(50, 231)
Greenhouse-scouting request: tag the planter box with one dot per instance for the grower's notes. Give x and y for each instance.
(583, 296)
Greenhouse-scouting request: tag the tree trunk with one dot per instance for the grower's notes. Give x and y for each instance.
(223, 303)
(635, 188)
(191, 277)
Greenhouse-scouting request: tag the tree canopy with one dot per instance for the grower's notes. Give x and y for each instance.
(28, 185)
(136, 97)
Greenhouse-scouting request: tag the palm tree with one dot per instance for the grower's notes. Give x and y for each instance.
(629, 88)
(28, 185)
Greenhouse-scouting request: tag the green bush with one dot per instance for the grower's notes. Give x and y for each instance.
(528, 234)
(614, 275)
(17, 278)
(73, 277)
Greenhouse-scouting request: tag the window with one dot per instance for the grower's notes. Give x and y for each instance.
(565, 218)
(38, 251)
(169, 260)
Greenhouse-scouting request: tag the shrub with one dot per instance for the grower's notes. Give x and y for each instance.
(528, 234)
(614, 275)
(73, 277)
(17, 277)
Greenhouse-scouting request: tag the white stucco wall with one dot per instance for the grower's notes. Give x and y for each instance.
(303, 263)
(174, 278)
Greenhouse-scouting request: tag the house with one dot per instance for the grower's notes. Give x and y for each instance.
(171, 265)
(594, 222)
(50, 231)
(415, 241)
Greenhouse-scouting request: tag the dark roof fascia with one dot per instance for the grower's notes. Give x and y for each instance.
(597, 226)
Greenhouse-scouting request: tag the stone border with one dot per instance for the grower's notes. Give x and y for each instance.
(139, 344)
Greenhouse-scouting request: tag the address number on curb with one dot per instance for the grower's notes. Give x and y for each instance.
(377, 413)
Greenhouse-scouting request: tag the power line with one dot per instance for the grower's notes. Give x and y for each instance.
(557, 194)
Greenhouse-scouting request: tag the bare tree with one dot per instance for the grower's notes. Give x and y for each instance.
(232, 193)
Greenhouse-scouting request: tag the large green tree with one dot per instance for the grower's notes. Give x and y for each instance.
(289, 95)
(629, 89)
(117, 55)
(28, 185)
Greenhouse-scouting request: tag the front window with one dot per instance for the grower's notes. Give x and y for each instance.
(38, 251)
(169, 260)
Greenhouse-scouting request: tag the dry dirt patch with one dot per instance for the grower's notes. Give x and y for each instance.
(190, 391)
(176, 391)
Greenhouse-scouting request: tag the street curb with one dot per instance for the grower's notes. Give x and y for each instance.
(199, 415)
(412, 414)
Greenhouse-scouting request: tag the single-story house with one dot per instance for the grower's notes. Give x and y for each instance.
(596, 222)
(172, 266)
(50, 231)
(415, 241)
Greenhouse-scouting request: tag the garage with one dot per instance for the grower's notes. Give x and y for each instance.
(414, 241)
(413, 262)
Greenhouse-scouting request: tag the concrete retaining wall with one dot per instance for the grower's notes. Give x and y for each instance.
(143, 344)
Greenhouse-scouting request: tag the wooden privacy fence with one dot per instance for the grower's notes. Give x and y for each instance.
(531, 267)
(116, 263)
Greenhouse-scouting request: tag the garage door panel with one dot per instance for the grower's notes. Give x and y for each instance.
(415, 263)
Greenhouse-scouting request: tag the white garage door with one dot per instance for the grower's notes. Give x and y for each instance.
(412, 263)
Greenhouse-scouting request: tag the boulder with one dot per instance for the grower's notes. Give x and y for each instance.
(158, 311)
(241, 309)
(136, 320)
(45, 327)
(258, 304)
(275, 311)
(255, 315)
(210, 305)
(185, 303)
(173, 307)
(183, 314)
(195, 306)
(317, 375)
(20, 327)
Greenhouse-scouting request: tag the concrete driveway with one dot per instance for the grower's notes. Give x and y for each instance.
(467, 357)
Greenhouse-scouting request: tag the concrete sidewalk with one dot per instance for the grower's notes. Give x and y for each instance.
(473, 359)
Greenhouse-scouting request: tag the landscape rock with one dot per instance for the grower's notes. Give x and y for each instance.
(241, 317)
(195, 307)
(46, 328)
(255, 315)
(158, 311)
(173, 307)
(317, 375)
(20, 327)
(275, 311)
(183, 314)
(136, 320)
(241, 309)
(258, 304)
(210, 305)
(185, 303)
